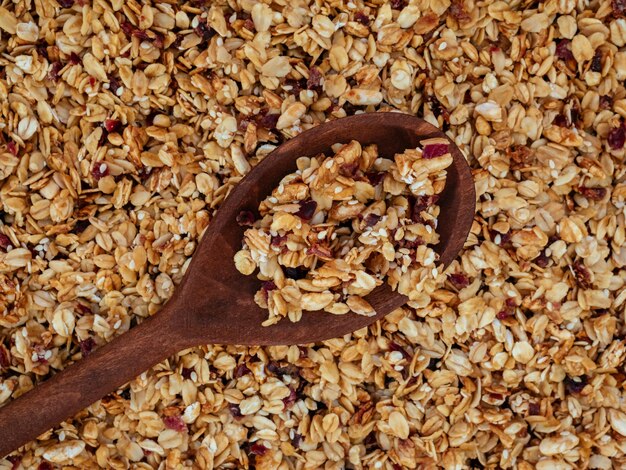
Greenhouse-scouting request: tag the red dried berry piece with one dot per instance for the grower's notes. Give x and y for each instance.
(86, 347)
(372, 219)
(398, 4)
(84, 310)
(100, 170)
(459, 280)
(561, 121)
(204, 31)
(75, 59)
(5, 357)
(564, 50)
(617, 138)
(45, 466)
(245, 219)
(266, 120)
(235, 410)
(575, 385)
(362, 18)
(618, 7)
(596, 62)
(258, 449)
(290, 400)
(5, 242)
(307, 209)
(542, 260)
(593, 194)
(606, 102)
(12, 147)
(66, 3)
(15, 461)
(420, 204)
(159, 40)
(314, 81)
(504, 314)
(582, 274)
(297, 440)
(293, 86)
(534, 409)
(458, 11)
(434, 150)
(112, 125)
(175, 422)
(438, 109)
(279, 240)
(114, 84)
(510, 302)
(375, 178)
(55, 68)
(321, 251)
(241, 370)
(267, 287)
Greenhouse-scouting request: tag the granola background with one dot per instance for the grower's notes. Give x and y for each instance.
(124, 125)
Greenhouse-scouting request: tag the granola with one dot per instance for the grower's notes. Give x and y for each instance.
(108, 181)
(331, 232)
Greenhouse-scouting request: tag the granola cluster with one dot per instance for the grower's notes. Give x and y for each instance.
(124, 125)
(336, 228)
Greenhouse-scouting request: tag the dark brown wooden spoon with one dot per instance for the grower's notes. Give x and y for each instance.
(214, 303)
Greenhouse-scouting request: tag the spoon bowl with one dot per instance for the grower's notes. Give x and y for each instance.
(214, 303)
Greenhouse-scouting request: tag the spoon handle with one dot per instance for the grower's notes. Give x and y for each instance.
(86, 381)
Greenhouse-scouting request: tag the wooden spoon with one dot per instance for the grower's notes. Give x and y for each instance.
(214, 302)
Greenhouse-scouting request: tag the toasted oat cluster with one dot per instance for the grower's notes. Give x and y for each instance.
(336, 228)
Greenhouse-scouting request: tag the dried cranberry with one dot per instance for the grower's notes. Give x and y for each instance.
(279, 240)
(504, 314)
(42, 49)
(178, 41)
(618, 7)
(434, 150)
(235, 410)
(459, 280)
(314, 81)
(45, 466)
(617, 138)
(100, 170)
(575, 385)
(606, 102)
(245, 219)
(12, 147)
(293, 86)
(75, 59)
(112, 125)
(55, 68)
(510, 302)
(175, 422)
(372, 219)
(290, 400)
(458, 11)
(393, 346)
(596, 62)
(5, 358)
(375, 178)
(561, 121)
(362, 18)
(66, 3)
(258, 449)
(320, 251)
(296, 273)
(542, 260)
(5, 242)
(86, 347)
(278, 370)
(241, 370)
(159, 40)
(204, 31)
(114, 84)
(438, 109)
(307, 209)
(297, 440)
(564, 50)
(593, 194)
(421, 203)
(267, 287)
(267, 121)
(398, 4)
(534, 409)
(15, 461)
(582, 274)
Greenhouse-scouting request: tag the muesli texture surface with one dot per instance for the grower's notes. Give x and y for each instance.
(124, 125)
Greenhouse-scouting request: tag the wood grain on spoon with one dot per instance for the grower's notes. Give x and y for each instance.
(214, 303)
